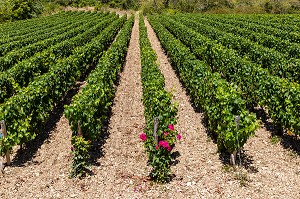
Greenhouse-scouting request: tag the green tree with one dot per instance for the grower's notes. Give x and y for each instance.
(19, 9)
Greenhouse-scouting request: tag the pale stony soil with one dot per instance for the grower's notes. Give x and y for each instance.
(120, 169)
(89, 8)
(104, 9)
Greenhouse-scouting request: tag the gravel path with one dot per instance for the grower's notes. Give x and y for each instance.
(43, 176)
(103, 9)
(123, 167)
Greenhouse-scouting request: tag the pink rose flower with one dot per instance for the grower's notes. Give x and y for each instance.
(178, 136)
(160, 143)
(164, 144)
(169, 148)
(157, 147)
(171, 127)
(143, 136)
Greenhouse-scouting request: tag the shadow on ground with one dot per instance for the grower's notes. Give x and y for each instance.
(290, 142)
(242, 160)
(96, 151)
(27, 151)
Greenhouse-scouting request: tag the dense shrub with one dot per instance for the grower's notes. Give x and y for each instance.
(281, 7)
(19, 9)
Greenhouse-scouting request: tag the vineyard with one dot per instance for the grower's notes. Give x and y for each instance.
(95, 104)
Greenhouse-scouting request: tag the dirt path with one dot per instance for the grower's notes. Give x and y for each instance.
(44, 175)
(123, 168)
(103, 9)
(70, 8)
(277, 170)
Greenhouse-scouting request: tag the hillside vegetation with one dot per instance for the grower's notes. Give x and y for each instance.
(11, 10)
(222, 6)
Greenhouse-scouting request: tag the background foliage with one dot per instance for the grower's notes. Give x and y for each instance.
(221, 6)
(18, 9)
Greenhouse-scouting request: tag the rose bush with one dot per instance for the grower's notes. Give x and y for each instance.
(157, 103)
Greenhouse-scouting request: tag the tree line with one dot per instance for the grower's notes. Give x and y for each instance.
(11, 10)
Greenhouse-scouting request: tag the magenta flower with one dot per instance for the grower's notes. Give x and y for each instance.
(143, 136)
(160, 143)
(171, 127)
(164, 144)
(157, 147)
(178, 136)
(169, 148)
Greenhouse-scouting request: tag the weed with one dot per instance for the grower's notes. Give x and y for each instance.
(242, 178)
(292, 153)
(275, 139)
(228, 168)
